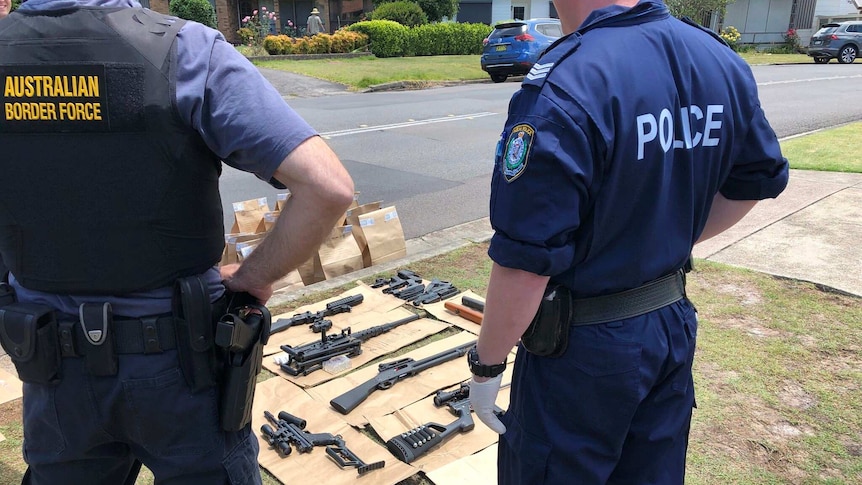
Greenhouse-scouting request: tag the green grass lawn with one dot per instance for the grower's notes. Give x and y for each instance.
(833, 150)
(362, 72)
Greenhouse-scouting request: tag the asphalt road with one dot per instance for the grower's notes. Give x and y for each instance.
(430, 152)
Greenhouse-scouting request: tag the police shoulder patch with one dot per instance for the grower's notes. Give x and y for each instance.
(518, 151)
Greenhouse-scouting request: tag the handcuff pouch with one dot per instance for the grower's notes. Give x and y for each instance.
(28, 333)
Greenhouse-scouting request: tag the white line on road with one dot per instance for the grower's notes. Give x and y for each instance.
(791, 81)
(365, 129)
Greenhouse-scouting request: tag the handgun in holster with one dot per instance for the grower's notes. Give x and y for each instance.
(240, 335)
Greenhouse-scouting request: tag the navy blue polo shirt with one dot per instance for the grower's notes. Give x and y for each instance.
(615, 146)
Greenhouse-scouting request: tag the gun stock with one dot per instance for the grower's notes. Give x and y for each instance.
(464, 312)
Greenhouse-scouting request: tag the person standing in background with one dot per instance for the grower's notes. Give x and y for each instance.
(314, 24)
(5, 8)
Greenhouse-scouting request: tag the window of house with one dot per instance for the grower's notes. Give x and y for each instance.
(518, 13)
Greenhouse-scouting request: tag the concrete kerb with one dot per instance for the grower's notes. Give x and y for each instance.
(424, 247)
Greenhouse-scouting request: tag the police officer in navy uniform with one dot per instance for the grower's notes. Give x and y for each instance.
(115, 123)
(635, 136)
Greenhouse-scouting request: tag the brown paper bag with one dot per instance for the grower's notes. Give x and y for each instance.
(384, 235)
(339, 254)
(230, 255)
(311, 271)
(280, 200)
(289, 282)
(352, 218)
(249, 215)
(268, 221)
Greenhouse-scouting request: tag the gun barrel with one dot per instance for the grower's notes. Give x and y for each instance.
(366, 334)
(350, 301)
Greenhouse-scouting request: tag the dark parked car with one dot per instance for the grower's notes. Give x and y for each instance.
(513, 47)
(842, 41)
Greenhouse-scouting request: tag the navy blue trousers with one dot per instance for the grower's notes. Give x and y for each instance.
(98, 430)
(614, 409)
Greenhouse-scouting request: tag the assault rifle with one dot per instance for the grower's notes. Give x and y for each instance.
(317, 320)
(412, 444)
(390, 373)
(290, 430)
(310, 357)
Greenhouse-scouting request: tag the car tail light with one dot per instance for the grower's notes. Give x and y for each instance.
(833, 37)
(525, 37)
(485, 41)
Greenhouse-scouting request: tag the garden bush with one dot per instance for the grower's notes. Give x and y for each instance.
(386, 37)
(445, 38)
(340, 42)
(197, 10)
(405, 13)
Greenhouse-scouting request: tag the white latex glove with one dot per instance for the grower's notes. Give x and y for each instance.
(483, 398)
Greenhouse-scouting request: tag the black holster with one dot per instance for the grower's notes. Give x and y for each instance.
(194, 323)
(240, 337)
(28, 333)
(548, 333)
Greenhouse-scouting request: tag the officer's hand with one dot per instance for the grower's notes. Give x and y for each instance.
(483, 396)
(234, 282)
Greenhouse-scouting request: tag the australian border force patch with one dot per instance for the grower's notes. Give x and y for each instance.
(517, 151)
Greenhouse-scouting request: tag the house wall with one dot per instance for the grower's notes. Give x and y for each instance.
(491, 12)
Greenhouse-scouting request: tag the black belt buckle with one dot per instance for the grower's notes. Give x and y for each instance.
(97, 322)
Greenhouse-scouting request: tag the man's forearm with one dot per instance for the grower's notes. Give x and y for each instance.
(723, 215)
(300, 229)
(511, 303)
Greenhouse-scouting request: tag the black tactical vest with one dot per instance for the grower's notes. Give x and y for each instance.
(103, 189)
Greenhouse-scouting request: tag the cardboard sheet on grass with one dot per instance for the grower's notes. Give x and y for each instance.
(11, 387)
(275, 395)
(404, 392)
(441, 313)
(476, 469)
(373, 300)
(422, 412)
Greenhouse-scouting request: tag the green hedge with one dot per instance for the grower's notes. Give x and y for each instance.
(403, 12)
(197, 10)
(391, 39)
(387, 38)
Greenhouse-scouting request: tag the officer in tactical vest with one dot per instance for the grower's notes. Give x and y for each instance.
(115, 122)
(634, 136)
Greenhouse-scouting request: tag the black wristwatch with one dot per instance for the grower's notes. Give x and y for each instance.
(482, 370)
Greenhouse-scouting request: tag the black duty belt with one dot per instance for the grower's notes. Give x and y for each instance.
(630, 303)
(131, 336)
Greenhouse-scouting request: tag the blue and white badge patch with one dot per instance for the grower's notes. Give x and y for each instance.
(517, 151)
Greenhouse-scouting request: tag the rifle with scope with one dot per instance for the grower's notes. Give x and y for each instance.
(307, 358)
(390, 373)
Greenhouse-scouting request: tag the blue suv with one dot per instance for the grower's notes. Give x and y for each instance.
(513, 47)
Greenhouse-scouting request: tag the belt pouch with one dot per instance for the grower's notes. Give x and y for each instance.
(97, 324)
(548, 333)
(28, 333)
(194, 333)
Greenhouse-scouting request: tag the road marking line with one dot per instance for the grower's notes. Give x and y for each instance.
(366, 129)
(791, 81)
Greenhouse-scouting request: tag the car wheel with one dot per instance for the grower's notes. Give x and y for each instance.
(821, 60)
(847, 54)
(498, 78)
